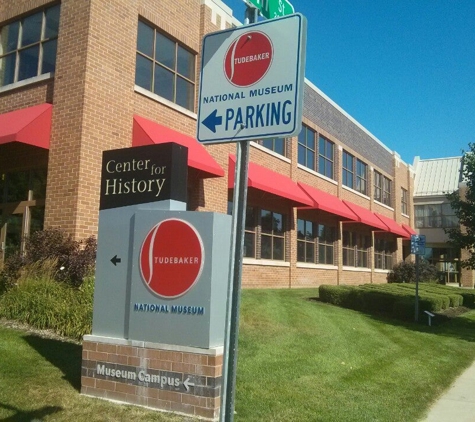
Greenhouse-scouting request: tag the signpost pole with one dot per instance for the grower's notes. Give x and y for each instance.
(416, 318)
(228, 392)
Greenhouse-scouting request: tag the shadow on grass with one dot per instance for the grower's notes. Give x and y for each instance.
(460, 326)
(28, 416)
(65, 356)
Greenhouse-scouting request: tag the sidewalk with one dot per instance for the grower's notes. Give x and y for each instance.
(458, 402)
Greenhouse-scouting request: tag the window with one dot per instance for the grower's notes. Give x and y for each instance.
(356, 180)
(383, 253)
(361, 177)
(348, 169)
(275, 144)
(306, 148)
(326, 239)
(28, 46)
(165, 67)
(250, 233)
(315, 242)
(22, 198)
(355, 249)
(272, 236)
(404, 207)
(325, 157)
(382, 189)
(435, 216)
(306, 238)
(320, 160)
(264, 234)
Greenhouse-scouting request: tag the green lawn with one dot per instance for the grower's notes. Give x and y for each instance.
(302, 360)
(299, 360)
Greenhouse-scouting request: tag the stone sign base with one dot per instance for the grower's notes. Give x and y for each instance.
(176, 379)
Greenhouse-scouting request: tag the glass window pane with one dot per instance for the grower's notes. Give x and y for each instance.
(266, 221)
(7, 69)
(165, 51)
(309, 231)
(310, 252)
(266, 247)
(163, 83)
(29, 62)
(310, 159)
(38, 184)
(31, 29)
(37, 219)
(143, 72)
(278, 223)
(249, 245)
(301, 251)
(185, 94)
(278, 249)
(145, 39)
(250, 218)
(52, 22)
(13, 234)
(9, 37)
(3, 185)
(300, 229)
(186, 63)
(17, 186)
(49, 56)
(279, 146)
(301, 157)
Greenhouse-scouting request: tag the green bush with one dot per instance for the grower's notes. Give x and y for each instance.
(74, 259)
(396, 300)
(47, 304)
(405, 272)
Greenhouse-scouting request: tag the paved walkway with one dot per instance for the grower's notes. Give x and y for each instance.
(457, 404)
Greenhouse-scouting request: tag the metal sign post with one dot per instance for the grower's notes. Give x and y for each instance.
(251, 87)
(228, 392)
(418, 247)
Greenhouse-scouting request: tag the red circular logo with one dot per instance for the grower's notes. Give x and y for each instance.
(171, 258)
(248, 58)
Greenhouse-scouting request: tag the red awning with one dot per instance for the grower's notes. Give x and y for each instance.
(327, 202)
(366, 216)
(31, 126)
(394, 227)
(409, 229)
(269, 181)
(146, 132)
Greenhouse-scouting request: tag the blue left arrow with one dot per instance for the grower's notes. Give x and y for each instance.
(212, 121)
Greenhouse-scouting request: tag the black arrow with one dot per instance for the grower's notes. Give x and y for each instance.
(116, 260)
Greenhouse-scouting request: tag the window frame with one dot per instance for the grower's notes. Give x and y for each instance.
(157, 63)
(382, 189)
(404, 201)
(384, 253)
(355, 249)
(270, 144)
(18, 53)
(322, 150)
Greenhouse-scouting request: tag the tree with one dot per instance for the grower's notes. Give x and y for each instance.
(462, 202)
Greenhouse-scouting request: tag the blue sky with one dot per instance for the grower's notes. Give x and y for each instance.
(404, 69)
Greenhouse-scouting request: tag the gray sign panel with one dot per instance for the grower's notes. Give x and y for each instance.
(252, 81)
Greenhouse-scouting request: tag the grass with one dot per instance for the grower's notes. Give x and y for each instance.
(40, 380)
(299, 360)
(303, 360)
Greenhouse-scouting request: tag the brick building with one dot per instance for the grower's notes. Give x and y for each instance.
(333, 205)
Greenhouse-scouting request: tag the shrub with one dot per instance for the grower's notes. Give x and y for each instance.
(405, 272)
(73, 259)
(47, 304)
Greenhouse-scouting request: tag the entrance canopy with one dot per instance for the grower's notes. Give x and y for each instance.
(31, 126)
(146, 132)
(269, 181)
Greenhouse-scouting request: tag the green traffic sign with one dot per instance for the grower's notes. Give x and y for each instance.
(271, 9)
(278, 8)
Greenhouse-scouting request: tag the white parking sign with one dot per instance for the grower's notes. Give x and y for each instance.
(252, 81)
